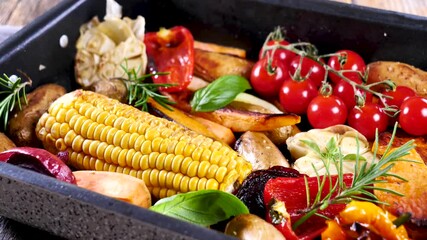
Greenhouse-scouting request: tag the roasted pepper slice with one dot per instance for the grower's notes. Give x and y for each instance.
(292, 192)
(171, 50)
(39, 160)
(370, 216)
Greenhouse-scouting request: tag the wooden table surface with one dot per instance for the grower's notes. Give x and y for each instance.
(21, 12)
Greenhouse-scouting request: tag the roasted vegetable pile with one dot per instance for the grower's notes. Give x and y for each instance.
(293, 145)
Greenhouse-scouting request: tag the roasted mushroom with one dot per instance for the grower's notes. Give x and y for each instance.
(257, 148)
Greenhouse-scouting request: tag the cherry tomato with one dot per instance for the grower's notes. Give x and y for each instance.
(352, 62)
(398, 96)
(413, 116)
(316, 70)
(267, 80)
(345, 91)
(326, 111)
(366, 119)
(295, 95)
(284, 55)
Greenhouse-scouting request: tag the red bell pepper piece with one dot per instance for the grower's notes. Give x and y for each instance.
(292, 193)
(171, 50)
(39, 160)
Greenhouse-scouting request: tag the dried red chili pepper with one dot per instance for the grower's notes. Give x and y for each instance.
(39, 160)
(292, 193)
(171, 50)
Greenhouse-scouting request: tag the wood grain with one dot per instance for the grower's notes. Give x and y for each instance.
(415, 7)
(21, 12)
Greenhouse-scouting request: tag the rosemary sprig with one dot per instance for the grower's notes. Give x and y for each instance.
(366, 174)
(12, 89)
(140, 91)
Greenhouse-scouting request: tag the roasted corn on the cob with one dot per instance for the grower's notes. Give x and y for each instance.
(105, 135)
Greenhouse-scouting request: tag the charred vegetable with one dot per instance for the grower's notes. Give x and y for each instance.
(197, 125)
(252, 190)
(210, 65)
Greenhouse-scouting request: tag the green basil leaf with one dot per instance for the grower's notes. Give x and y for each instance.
(219, 93)
(204, 207)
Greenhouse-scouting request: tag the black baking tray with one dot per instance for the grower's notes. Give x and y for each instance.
(70, 212)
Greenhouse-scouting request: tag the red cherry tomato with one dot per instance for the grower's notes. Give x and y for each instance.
(398, 96)
(267, 80)
(326, 111)
(295, 95)
(352, 62)
(316, 70)
(284, 55)
(345, 91)
(413, 116)
(366, 119)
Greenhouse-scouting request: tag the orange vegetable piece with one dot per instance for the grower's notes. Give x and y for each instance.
(212, 130)
(116, 185)
(374, 218)
(333, 231)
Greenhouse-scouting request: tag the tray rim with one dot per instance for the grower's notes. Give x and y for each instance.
(39, 26)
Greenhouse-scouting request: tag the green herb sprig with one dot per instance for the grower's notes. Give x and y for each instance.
(12, 89)
(364, 180)
(140, 91)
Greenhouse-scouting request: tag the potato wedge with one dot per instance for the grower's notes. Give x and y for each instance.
(23, 123)
(210, 66)
(116, 185)
(243, 121)
(400, 73)
(260, 151)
